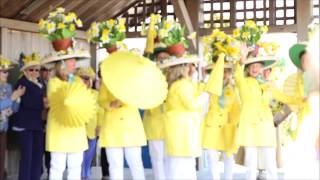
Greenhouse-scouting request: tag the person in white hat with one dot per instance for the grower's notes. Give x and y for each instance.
(220, 125)
(66, 144)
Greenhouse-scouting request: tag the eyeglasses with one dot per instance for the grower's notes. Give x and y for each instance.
(32, 70)
(85, 78)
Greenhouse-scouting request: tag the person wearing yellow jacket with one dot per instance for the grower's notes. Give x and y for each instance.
(219, 126)
(256, 128)
(122, 135)
(66, 144)
(87, 76)
(182, 122)
(153, 122)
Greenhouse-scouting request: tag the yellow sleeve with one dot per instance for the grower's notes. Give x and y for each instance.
(188, 96)
(240, 80)
(100, 116)
(53, 85)
(104, 97)
(215, 82)
(282, 97)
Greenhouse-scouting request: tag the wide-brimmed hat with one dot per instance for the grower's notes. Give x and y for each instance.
(173, 61)
(6, 64)
(29, 61)
(62, 55)
(295, 52)
(266, 60)
(225, 66)
(86, 71)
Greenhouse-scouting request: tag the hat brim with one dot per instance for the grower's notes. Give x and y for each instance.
(178, 61)
(266, 60)
(52, 59)
(32, 63)
(294, 53)
(226, 66)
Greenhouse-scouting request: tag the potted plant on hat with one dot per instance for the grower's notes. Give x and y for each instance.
(172, 35)
(219, 42)
(107, 34)
(250, 34)
(60, 28)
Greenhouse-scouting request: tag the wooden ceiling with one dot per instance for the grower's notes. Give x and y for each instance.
(87, 10)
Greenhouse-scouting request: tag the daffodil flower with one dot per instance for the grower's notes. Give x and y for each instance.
(61, 26)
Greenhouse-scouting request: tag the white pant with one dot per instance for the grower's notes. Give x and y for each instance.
(156, 150)
(251, 160)
(133, 158)
(181, 168)
(213, 164)
(59, 162)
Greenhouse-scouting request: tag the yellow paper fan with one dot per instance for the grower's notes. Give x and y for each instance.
(73, 105)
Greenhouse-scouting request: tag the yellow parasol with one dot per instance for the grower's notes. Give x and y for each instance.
(73, 105)
(134, 80)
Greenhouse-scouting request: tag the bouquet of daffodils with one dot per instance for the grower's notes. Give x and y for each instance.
(172, 33)
(219, 42)
(107, 33)
(250, 33)
(59, 26)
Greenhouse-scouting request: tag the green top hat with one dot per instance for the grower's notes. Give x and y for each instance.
(295, 52)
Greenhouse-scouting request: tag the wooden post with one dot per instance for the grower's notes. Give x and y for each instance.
(93, 59)
(181, 11)
(303, 14)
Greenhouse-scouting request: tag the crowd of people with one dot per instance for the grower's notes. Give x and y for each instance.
(228, 108)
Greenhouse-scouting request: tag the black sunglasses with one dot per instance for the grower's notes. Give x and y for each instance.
(85, 78)
(32, 70)
(4, 71)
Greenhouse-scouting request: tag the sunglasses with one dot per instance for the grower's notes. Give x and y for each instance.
(85, 78)
(4, 72)
(34, 70)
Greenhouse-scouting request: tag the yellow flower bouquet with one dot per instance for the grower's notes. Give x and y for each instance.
(250, 33)
(59, 26)
(219, 42)
(107, 34)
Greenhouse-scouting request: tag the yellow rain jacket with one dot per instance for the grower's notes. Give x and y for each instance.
(256, 127)
(153, 122)
(60, 138)
(182, 122)
(121, 127)
(220, 125)
(95, 122)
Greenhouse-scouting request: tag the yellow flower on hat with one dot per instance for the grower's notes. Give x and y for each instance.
(111, 22)
(86, 71)
(61, 26)
(236, 32)
(245, 35)
(5, 63)
(264, 29)
(72, 27)
(250, 24)
(79, 23)
(42, 23)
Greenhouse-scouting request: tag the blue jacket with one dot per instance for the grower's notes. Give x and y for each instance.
(5, 103)
(31, 106)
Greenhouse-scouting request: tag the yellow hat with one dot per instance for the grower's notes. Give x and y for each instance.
(73, 105)
(86, 71)
(134, 80)
(28, 61)
(6, 64)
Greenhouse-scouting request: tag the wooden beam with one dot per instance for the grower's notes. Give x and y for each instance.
(29, 27)
(272, 13)
(181, 11)
(28, 9)
(304, 15)
(272, 29)
(134, 3)
(11, 8)
(93, 59)
(53, 5)
(102, 8)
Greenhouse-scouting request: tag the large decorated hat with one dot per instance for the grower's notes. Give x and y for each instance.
(6, 64)
(28, 61)
(174, 61)
(86, 71)
(295, 52)
(134, 79)
(63, 55)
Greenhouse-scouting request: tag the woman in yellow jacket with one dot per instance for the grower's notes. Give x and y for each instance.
(219, 127)
(256, 128)
(122, 135)
(66, 144)
(87, 76)
(153, 122)
(182, 122)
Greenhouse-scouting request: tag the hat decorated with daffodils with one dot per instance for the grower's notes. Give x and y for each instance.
(86, 71)
(53, 57)
(295, 53)
(28, 61)
(174, 61)
(6, 64)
